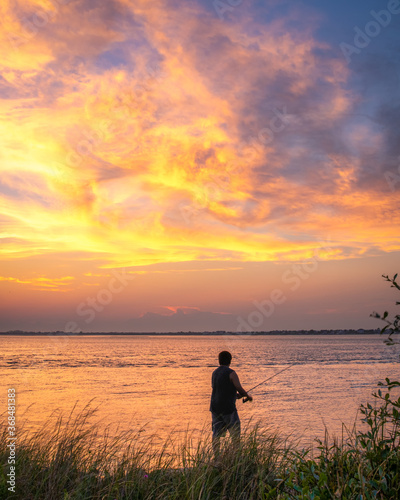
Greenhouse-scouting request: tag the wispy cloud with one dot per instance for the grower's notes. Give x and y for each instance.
(62, 284)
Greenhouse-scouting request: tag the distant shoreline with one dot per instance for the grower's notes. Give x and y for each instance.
(17, 333)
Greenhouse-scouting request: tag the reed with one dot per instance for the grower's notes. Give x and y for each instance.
(71, 459)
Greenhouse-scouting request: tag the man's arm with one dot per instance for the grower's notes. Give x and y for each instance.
(235, 380)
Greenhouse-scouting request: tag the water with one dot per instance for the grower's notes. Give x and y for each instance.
(160, 385)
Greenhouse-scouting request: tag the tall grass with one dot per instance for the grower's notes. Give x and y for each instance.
(71, 459)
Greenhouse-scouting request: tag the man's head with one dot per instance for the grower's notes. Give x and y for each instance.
(225, 358)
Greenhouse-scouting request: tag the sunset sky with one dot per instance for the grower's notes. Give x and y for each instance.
(174, 165)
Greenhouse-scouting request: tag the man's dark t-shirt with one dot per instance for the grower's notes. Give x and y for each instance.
(223, 397)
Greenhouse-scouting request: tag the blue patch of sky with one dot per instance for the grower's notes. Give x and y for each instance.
(339, 20)
(332, 22)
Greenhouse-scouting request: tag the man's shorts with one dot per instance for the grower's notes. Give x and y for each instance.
(222, 423)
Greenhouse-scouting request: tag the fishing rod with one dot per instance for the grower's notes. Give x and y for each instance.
(266, 380)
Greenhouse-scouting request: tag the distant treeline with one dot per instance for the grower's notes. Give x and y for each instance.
(219, 332)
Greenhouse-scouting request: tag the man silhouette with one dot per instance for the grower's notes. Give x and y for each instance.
(226, 388)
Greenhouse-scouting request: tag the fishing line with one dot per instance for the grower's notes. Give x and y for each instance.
(266, 380)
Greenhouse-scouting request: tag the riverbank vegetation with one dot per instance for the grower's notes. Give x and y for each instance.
(72, 461)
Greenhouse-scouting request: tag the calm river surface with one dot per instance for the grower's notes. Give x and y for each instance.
(162, 384)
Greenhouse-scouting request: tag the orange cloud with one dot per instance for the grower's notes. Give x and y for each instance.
(141, 134)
